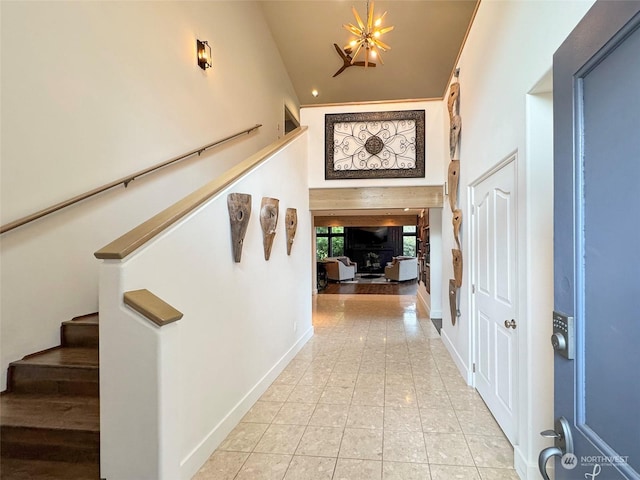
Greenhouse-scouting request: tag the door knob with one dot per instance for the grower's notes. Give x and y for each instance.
(510, 324)
(563, 444)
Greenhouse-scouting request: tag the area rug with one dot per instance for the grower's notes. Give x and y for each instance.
(369, 278)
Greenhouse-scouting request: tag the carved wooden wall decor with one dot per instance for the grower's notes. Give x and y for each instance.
(454, 135)
(452, 101)
(239, 205)
(291, 220)
(453, 176)
(453, 300)
(457, 221)
(457, 266)
(268, 222)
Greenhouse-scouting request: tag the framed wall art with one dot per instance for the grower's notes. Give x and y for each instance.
(374, 145)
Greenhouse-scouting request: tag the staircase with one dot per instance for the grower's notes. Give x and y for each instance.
(50, 413)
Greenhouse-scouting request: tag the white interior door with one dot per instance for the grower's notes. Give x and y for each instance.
(494, 292)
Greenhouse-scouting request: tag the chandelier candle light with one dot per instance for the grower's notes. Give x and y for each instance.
(367, 36)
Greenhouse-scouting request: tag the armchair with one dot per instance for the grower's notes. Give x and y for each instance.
(402, 268)
(340, 268)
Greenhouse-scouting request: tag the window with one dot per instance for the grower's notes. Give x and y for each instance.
(409, 240)
(329, 242)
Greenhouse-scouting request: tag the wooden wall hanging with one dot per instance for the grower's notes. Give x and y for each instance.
(454, 135)
(457, 266)
(268, 222)
(457, 222)
(453, 300)
(453, 177)
(452, 101)
(291, 220)
(239, 205)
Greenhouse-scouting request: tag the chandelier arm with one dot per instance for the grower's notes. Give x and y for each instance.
(358, 19)
(356, 53)
(381, 45)
(378, 55)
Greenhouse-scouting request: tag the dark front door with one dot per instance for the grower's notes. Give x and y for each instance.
(597, 246)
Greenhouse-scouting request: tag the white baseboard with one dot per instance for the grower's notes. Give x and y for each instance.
(464, 369)
(526, 470)
(196, 458)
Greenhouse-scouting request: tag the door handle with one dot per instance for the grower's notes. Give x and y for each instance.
(510, 324)
(544, 457)
(563, 444)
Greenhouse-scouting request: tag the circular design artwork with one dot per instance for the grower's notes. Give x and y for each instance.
(374, 145)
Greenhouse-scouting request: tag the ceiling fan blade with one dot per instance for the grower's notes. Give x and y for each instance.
(361, 64)
(340, 52)
(342, 69)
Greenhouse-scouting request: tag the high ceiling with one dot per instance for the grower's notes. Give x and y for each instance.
(425, 44)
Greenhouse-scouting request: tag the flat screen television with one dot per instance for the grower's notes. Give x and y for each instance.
(370, 235)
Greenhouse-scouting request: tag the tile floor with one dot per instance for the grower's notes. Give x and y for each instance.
(374, 395)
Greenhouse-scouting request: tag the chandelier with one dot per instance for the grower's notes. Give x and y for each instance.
(367, 36)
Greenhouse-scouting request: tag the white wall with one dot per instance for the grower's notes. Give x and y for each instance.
(193, 380)
(509, 48)
(93, 91)
(313, 117)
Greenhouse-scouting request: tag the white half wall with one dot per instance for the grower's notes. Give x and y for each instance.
(94, 91)
(190, 382)
(508, 50)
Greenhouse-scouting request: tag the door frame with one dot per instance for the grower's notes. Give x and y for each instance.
(518, 288)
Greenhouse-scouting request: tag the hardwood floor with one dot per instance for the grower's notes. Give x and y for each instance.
(390, 288)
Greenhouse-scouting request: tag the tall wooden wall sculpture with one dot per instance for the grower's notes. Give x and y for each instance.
(268, 222)
(455, 128)
(291, 220)
(239, 205)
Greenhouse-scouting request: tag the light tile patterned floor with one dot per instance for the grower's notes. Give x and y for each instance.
(374, 395)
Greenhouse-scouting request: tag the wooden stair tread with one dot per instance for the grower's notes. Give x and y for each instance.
(91, 319)
(55, 412)
(18, 469)
(63, 356)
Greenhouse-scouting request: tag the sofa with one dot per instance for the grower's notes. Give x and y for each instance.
(340, 268)
(402, 268)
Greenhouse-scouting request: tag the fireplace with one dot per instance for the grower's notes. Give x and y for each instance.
(371, 259)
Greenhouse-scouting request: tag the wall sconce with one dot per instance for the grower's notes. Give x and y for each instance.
(204, 54)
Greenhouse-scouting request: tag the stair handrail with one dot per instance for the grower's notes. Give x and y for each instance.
(122, 181)
(128, 243)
